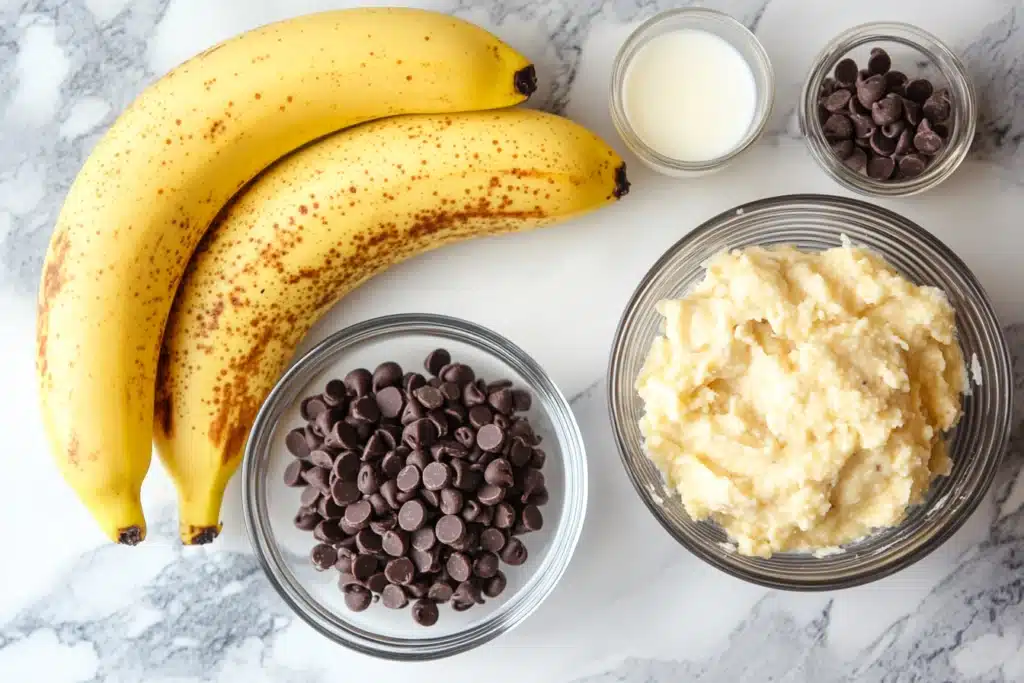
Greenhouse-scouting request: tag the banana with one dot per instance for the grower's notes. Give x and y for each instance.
(156, 180)
(320, 223)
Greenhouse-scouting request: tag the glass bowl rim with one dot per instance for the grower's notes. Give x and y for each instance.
(542, 579)
(940, 535)
(926, 44)
(619, 70)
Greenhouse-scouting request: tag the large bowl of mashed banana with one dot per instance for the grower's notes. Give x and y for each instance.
(810, 392)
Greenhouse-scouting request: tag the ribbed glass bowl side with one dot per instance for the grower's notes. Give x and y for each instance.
(816, 222)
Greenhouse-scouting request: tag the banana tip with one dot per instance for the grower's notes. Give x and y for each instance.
(131, 535)
(525, 80)
(203, 535)
(621, 182)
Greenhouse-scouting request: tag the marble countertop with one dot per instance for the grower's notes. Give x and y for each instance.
(74, 608)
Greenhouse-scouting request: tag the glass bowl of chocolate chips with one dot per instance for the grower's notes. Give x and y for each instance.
(888, 110)
(414, 486)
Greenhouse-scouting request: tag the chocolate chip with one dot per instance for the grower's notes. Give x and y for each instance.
(387, 374)
(424, 612)
(936, 108)
(887, 110)
(919, 90)
(345, 492)
(412, 412)
(311, 407)
(894, 129)
(912, 165)
(431, 498)
(326, 420)
(539, 458)
(363, 566)
(323, 556)
(846, 72)
(927, 141)
(436, 476)
(386, 520)
(879, 62)
(435, 360)
(368, 542)
(490, 494)
(451, 392)
(358, 514)
(307, 519)
(514, 553)
(521, 400)
(871, 90)
(429, 397)
(449, 529)
(440, 591)
(343, 563)
(896, 81)
(359, 382)
(420, 434)
(357, 598)
(296, 444)
(451, 501)
(391, 465)
(480, 415)
(390, 402)
(343, 436)
(400, 570)
(417, 589)
(837, 127)
(409, 478)
(519, 454)
(881, 168)
(495, 586)
(485, 565)
(465, 436)
(412, 515)
(837, 101)
(882, 145)
(490, 438)
(318, 478)
(532, 480)
(393, 597)
(328, 509)
(459, 374)
(377, 583)
(471, 510)
(472, 395)
(321, 458)
(440, 420)
(364, 409)
(346, 466)
(459, 566)
(423, 559)
(499, 473)
(309, 497)
(501, 401)
(857, 161)
(531, 517)
(504, 516)
(293, 473)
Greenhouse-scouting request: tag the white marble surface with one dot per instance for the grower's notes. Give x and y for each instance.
(633, 607)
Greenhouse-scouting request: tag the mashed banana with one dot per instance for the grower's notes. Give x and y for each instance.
(799, 399)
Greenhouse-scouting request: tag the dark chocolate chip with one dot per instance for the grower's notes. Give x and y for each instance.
(531, 480)
(293, 473)
(882, 145)
(345, 492)
(465, 436)
(357, 598)
(855, 107)
(417, 589)
(499, 473)
(450, 529)
(521, 400)
(459, 566)
(435, 360)
(400, 570)
(318, 478)
(429, 397)
(390, 401)
(451, 391)
(485, 565)
(344, 562)
(311, 407)
(420, 434)
(364, 409)
(857, 161)
(424, 539)
(296, 444)
(364, 566)
(514, 553)
(440, 420)
(912, 165)
(896, 81)
(386, 521)
(451, 501)
(887, 110)
(328, 509)
(837, 101)
(335, 393)
(307, 519)
(863, 126)
(471, 510)
(837, 127)
(358, 514)
(326, 420)
(436, 476)
(409, 478)
(377, 583)
(504, 516)
(492, 539)
(871, 90)
(501, 401)
(423, 559)
(936, 108)
(919, 90)
(440, 591)
(412, 515)
(343, 436)
(490, 438)
(480, 415)
(459, 374)
(413, 411)
(359, 382)
(309, 497)
(879, 62)
(472, 395)
(323, 556)
(495, 586)
(424, 612)
(520, 454)
(393, 597)
(879, 168)
(368, 542)
(457, 415)
(927, 141)
(531, 517)
(431, 498)
(313, 439)
(846, 72)
(539, 458)
(392, 464)
(412, 381)
(348, 529)
(387, 374)
(894, 129)
(346, 466)
(321, 458)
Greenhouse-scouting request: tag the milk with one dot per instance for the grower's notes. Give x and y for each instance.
(690, 95)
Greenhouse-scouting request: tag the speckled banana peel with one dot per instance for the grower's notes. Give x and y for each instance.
(167, 166)
(319, 224)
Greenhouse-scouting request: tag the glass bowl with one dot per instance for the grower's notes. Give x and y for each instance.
(918, 54)
(721, 25)
(816, 222)
(283, 550)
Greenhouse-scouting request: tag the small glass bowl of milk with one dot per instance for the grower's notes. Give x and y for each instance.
(691, 89)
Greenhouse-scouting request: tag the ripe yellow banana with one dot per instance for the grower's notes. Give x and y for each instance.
(167, 166)
(320, 223)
